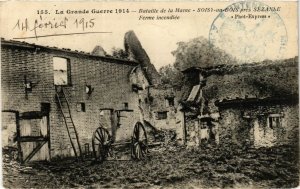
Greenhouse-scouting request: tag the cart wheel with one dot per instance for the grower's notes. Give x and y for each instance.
(101, 143)
(139, 142)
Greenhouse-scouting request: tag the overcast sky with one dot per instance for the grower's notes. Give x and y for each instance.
(158, 38)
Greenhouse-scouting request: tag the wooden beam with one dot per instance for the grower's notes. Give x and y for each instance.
(250, 102)
(106, 109)
(121, 143)
(32, 115)
(12, 111)
(32, 138)
(124, 110)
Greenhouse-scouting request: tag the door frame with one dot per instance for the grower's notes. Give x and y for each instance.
(40, 140)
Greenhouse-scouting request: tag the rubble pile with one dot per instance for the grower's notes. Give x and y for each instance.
(10, 166)
(13, 172)
(16, 175)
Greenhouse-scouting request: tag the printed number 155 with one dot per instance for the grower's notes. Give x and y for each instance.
(42, 12)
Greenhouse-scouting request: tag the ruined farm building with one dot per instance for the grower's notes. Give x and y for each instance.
(254, 104)
(36, 83)
(52, 98)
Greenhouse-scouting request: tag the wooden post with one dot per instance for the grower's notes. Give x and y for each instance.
(20, 153)
(197, 132)
(114, 123)
(48, 135)
(184, 129)
(200, 131)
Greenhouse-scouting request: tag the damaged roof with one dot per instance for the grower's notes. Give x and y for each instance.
(264, 80)
(22, 44)
(225, 69)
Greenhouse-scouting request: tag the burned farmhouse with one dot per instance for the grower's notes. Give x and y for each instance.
(251, 104)
(53, 100)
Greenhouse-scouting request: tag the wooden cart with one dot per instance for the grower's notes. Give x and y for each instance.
(102, 143)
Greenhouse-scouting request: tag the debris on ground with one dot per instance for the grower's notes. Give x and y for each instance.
(173, 166)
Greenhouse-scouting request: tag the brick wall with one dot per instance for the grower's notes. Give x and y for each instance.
(108, 77)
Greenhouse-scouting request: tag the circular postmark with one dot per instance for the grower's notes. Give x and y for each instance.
(250, 31)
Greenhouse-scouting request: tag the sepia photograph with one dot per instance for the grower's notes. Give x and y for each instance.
(107, 94)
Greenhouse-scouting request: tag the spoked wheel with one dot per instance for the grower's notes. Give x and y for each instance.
(101, 143)
(139, 142)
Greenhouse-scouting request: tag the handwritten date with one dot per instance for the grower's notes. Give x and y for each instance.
(44, 23)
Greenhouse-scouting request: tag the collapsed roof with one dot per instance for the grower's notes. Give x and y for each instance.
(264, 80)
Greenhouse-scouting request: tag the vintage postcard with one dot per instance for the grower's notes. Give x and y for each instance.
(149, 94)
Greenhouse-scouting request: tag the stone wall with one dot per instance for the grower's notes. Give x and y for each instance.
(251, 125)
(268, 79)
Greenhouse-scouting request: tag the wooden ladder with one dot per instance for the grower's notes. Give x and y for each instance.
(71, 129)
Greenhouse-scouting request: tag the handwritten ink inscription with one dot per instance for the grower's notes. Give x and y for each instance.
(43, 23)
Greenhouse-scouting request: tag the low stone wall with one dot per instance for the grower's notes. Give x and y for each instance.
(252, 126)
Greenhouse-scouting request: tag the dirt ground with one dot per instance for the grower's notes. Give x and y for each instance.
(165, 167)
